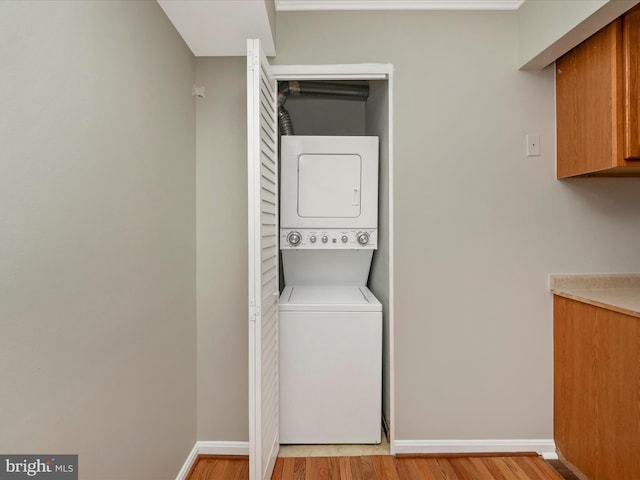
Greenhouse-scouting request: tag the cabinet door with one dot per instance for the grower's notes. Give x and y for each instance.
(631, 41)
(589, 104)
(596, 385)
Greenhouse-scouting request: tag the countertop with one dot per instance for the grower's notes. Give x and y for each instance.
(619, 292)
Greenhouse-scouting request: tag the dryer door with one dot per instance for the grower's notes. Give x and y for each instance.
(329, 182)
(329, 185)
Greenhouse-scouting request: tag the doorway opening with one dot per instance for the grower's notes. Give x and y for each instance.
(327, 115)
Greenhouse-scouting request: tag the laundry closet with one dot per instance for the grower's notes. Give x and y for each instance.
(321, 342)
(330, 322)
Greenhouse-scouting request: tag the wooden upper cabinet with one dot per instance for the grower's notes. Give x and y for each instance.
(631, 49)
(597, 103)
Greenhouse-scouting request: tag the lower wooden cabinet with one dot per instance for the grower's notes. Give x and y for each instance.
(597, 389)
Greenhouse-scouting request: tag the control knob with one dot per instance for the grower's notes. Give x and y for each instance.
(312, 239)
(363, 238)
(294, 238)
(344, 239)
(325, 239)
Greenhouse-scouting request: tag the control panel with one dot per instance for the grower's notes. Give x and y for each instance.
(302, 238)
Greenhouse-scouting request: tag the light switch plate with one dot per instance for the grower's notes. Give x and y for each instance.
(533, 145)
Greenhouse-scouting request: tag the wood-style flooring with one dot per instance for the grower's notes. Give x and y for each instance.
(220, 468)
(382, 467)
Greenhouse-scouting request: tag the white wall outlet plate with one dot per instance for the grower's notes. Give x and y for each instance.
(533, 145)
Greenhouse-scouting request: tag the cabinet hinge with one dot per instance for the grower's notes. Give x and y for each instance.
(254, 311)
(253, 63)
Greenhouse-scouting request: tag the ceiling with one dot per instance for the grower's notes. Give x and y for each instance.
(213, 28)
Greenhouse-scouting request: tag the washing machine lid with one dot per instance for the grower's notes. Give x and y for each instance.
(327, 298)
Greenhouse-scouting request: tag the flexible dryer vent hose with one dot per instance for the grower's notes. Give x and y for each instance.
(284, 119)
(341, 91)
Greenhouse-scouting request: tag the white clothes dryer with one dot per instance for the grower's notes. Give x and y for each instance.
(330, 365)
(329, 182)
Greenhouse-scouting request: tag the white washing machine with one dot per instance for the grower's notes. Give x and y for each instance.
(330, 365)
(330, 324)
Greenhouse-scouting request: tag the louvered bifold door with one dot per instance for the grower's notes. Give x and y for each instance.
(263, 264)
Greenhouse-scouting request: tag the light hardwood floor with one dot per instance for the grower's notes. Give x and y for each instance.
(382, 467)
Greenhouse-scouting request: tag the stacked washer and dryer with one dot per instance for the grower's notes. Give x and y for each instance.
(330, 322)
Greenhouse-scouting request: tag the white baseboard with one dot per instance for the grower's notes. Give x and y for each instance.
(211, 448)
(223, 448)
(544, 447)
(189, 462)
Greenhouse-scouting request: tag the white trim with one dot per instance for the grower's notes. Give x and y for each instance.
(188, 463)
(361, 71)
(392, 327)
(211, 448)
(253, 217)
(315, 5)
(544, 447)
(223, 448)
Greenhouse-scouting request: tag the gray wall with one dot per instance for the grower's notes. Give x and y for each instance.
(221, 147)
(221, 139)
(100, 195)
(97, 237)
(478, 225)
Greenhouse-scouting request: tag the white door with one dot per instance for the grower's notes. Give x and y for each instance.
(263, 264)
